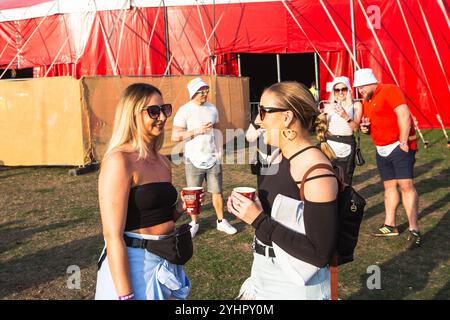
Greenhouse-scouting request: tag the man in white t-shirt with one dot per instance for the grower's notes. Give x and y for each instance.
(194, 123)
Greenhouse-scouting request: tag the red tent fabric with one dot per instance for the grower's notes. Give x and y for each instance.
(127, 37)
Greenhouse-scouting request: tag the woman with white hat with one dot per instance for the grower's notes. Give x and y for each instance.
(344, 116)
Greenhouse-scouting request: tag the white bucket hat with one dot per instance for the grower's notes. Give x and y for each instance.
(364, 77)
(343, 80)
(289, 212)
(194, 85)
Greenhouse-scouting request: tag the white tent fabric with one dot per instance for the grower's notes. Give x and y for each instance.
(29, 9)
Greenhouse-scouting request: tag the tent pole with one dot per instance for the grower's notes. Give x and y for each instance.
(211, 57)
(309, 40)
(433, 43)
(19, 51)
(423, 70)
(352, 17)
(166, 33)
(339, 33)
(316, 70)
(377, 40)
(214, 39)
(239, 64)
(278, 68)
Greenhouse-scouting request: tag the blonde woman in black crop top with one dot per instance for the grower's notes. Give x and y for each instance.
(138, 203)
(288, 114)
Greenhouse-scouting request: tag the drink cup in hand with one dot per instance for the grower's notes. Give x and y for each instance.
(247, 192)
(365, 122)
(191, 197)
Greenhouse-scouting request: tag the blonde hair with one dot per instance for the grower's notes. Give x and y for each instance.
(321, 129)
(348, 98)
(297, 98)
(128, 126)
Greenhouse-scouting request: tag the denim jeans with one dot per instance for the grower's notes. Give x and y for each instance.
(152, 277)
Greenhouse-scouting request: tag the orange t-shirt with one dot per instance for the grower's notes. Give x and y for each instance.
(383, 119)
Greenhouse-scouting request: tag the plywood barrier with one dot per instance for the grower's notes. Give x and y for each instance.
(65, 121)
(41, 122)
(101, 94)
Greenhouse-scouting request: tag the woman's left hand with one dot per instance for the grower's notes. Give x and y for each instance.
(244, 208)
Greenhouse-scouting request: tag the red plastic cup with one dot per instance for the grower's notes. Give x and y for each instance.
(192, 198)
(246, 192)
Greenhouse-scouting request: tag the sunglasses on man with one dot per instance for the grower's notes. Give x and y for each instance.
(263, 110)
(204, 92)
(154, 111)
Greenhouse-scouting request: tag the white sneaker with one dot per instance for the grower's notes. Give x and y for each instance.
(194, 228)
(226, 227)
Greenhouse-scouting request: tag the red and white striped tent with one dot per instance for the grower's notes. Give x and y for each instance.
(404, 41)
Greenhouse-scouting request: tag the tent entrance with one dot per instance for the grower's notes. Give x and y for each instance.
(17, 73)
(263, 72)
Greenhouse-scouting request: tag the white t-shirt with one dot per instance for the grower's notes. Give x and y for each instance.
(201, 150)
(385, 151)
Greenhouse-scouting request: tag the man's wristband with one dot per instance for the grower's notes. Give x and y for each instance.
(349, 120)
(403, 144)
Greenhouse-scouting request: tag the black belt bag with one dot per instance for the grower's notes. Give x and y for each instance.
(343, 139)
(176, 248)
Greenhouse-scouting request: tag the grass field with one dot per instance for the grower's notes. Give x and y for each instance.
(50, 221)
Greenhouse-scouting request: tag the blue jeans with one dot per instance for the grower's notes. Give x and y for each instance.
(152, 277)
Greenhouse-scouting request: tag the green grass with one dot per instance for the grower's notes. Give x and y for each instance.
(50, 220)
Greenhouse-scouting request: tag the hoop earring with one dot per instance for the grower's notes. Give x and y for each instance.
(289, 134)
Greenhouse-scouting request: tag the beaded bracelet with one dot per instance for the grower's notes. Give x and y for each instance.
(127, 297)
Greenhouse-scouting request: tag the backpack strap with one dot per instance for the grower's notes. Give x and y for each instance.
(314, 167)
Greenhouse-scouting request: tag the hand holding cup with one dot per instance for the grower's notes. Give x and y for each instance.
(244, 204)
(193, 198)
(365, 124)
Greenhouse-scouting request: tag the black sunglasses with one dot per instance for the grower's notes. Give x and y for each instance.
(263, 110)
(341, 90)
(154, 111)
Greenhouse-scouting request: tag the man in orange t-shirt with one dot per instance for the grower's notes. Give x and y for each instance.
(386, 117)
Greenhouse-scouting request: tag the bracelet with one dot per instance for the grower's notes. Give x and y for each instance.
(404, 144)
(127, 297)
(349, 120)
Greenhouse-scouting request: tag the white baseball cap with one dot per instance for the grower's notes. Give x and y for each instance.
(343, 80)
(194, 85)
(364, 77)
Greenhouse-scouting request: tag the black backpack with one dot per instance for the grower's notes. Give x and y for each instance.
(350, 210)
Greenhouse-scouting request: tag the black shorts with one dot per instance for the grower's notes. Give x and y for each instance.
(398, 165)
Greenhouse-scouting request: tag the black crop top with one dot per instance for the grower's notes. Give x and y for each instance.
(151, 204)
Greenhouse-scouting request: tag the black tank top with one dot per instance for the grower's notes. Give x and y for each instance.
(150, 204)
(269, 186)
